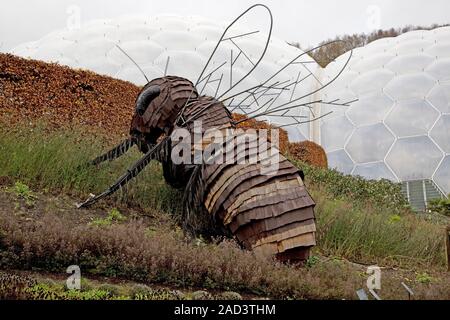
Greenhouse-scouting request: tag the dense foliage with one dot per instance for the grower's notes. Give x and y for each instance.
(441, 206)
(308, 152)
(382, 193)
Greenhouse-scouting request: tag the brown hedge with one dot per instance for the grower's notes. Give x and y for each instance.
(255, 124)
(33, 91)
(309, 152)
(62, 97)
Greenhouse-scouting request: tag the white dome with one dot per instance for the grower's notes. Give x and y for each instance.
(400, 127)
(170, 45)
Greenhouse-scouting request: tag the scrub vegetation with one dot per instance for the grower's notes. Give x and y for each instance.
(362, 222)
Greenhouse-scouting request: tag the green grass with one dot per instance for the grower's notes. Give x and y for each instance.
(383, 193)
(113, 216)
(24, 192)
(57, 161)
(369, 235)
(370, 222)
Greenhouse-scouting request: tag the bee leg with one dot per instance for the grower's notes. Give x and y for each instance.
(132, 172)
(116, 152)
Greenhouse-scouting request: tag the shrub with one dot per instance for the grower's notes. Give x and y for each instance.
(127, 251)
(441, 206)
(424, 278)
(113, 216)
(384, 194)
(255, 124)
(14, 286)
(34, 90)
(22, 191)
(308, 152)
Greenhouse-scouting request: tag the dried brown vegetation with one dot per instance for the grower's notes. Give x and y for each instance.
(256, 124)
(308, 152)
(63, 97)
(138, 251)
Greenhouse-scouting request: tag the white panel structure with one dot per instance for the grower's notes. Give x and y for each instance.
(341, 161)
(363, 151)
(400, 126)
(414, 158)
(442, 176)
(172, 45)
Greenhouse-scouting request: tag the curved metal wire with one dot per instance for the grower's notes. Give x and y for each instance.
(134, 62)
(202, 78)
(287, 105)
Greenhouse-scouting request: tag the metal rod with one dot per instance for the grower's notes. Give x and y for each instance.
(241, 35)
(135, 63)
(167, 65)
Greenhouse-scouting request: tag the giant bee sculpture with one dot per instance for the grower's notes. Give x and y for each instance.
(266, 210)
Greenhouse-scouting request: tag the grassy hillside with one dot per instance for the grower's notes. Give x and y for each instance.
(147, 246)
(367, 222)
(135, 235)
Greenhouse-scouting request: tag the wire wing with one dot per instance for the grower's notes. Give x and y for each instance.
(289, 95)
(237, 46)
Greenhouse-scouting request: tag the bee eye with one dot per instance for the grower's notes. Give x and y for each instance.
(147, 95)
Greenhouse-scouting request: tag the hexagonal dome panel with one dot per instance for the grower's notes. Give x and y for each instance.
(411, 118)
(442, 176)
(410, 63)
(335, 132)
(370, 109)
(143, 51)
(409, 86)
(371, 81)
(440, 69)
(374, 171)
(439, 97)
(441, 132)
(371, 62)
(340, 161)
(440, 50)
(336, 111)
(343, 82)
(362, 146)
(411, 46)
(414, 158)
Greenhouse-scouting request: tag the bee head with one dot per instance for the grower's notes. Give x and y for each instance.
(157, 107)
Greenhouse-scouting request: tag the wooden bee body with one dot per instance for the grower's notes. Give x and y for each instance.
(270, 213)
(263, 203)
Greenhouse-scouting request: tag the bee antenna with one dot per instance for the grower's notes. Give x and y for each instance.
(142, 71)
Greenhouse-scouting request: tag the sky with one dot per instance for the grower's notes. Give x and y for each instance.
(307, 22)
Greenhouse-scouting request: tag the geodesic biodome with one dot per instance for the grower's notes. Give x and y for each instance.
(171, 45)
(400, 127)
